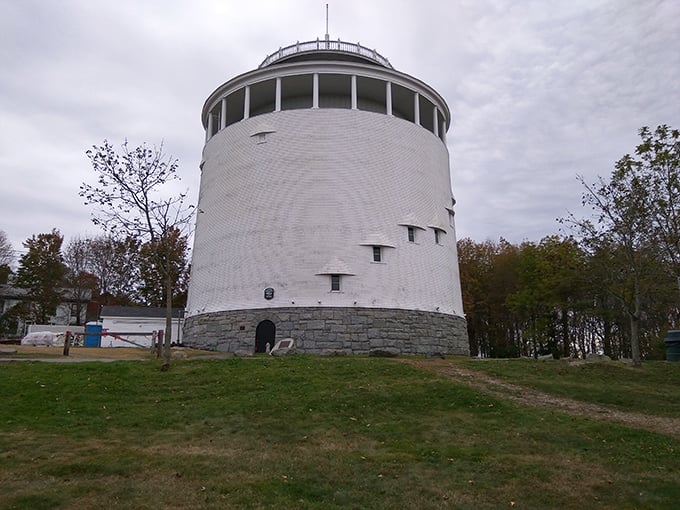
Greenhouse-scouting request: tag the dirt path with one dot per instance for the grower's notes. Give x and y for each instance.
(527, 396)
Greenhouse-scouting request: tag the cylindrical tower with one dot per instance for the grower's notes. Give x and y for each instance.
(325, 210)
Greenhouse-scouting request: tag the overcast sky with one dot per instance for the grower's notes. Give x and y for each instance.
(540, 91)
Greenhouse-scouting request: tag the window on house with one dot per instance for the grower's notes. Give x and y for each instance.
(377, 254)
(411, 235)
(436, 236)
(335, 282)
(452, 219)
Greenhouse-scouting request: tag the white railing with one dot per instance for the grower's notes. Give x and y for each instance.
(326, 45)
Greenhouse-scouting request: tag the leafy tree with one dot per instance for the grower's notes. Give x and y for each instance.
(634, 225)
(488, 274)
(152, 261)
(549, 291)
(115, 264)
(552, 297)
(658, 158)
(131, 203)
(10, 320)
(611, 289)
(41, 272)
(604, 318)
(475, 260)
(504, 325)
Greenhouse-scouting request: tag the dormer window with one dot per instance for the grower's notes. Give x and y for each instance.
(335, 268)
(439, 230)
(452, 215)
(260, 134)
(411, 222)
(377, 242)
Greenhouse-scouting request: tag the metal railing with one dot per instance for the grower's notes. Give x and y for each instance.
(326, 45)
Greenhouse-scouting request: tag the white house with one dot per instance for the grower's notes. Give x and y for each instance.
(325, 209)
(66, 313)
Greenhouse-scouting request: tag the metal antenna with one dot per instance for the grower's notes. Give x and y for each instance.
(327, 36)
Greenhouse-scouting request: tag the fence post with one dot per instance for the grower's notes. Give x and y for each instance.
(159, 344)
(153, 342)
(67, 343)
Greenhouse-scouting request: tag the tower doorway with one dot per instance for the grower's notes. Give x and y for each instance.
(265, 333)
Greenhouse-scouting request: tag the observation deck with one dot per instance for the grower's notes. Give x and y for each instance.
(333, 50)
(326, 74)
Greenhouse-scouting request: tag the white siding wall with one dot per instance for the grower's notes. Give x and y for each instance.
(275, 213)
(137, 325)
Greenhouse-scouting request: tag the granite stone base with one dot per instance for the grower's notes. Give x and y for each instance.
(324, 330)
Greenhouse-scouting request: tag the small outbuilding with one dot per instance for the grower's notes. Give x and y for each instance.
(131, 326)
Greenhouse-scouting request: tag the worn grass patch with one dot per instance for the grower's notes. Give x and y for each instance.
(651, 389)
(306, 432)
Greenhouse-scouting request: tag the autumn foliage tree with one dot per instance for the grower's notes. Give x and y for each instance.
(552, 298)
(41, 272)
(489, 274)
(154, 260)
(608, 288)
(634, 217)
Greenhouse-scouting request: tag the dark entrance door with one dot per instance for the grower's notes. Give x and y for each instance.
(265, 334)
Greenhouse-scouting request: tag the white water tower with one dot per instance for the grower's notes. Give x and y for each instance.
(325, 210)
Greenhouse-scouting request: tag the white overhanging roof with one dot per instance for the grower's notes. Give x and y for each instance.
(377, 239)
(336, 266)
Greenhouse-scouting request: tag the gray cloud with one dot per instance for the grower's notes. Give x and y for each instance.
(540, 91)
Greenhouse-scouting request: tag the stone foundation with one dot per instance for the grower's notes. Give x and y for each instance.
(324, 330)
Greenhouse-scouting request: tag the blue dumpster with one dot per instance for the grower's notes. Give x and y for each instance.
(93, 340)
(672, 342)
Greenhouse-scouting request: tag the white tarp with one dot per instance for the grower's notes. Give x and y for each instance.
(44, 338)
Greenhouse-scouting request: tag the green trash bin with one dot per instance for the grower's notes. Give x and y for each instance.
(672, 342)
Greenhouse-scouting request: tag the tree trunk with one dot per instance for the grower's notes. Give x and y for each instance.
(635, 340)
(168, 316)
(607, 338)
(635, 327)
(566, 341)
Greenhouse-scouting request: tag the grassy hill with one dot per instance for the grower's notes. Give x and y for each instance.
(325, 433)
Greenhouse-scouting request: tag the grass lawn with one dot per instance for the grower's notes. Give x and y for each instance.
(652, 389)
(308, 432)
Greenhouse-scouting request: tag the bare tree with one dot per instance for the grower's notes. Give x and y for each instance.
(6, 251)
(6, 257)
(132, 202)
(115, 263)
(79, 279)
